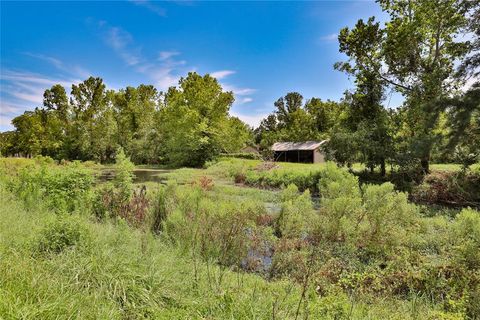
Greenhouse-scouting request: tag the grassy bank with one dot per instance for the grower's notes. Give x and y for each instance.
(116, 272)
(199, 246)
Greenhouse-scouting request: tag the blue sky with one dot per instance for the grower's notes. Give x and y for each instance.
(259, 50)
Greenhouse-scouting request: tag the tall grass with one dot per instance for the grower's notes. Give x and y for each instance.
(365, 253)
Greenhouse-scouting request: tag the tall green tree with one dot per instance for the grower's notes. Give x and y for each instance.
(420, 51)
(365, 129)
(93, 126)
(194, 117)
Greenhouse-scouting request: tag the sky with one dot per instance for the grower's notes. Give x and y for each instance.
(258, 50)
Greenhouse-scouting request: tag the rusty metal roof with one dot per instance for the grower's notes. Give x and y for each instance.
(290, 146)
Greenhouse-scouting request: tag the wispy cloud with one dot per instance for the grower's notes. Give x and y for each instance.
(54, 61)
(165, 55)
(239, 91)
(23, 90)
(329, 37)
(74, 70)
(121, 41)
(222, 74)
(164, 70)
(245, 100)
(153, 7)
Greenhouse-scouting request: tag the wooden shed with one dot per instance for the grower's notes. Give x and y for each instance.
(303, 152)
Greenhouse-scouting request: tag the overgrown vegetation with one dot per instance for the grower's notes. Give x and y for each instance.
(243, 238)
(361, 251)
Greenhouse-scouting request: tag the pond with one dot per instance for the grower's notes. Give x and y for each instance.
(140, 175)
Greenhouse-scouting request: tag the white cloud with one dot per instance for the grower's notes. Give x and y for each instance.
(222, 74)
(150, 6)
(164, 71)
(245, 100)
(28, 77)
(6, 108)
(238, 91)
(54, 61)
(252, 120)
(5, 123)
(165, 55)
(329, 37)
(23, 90)
(121, 42)
(60, 65)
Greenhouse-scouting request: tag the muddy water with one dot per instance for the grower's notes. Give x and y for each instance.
(140, 175)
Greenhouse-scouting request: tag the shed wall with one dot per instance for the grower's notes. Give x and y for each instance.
(318, 156)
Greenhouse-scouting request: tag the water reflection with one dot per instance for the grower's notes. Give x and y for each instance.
(140, 175)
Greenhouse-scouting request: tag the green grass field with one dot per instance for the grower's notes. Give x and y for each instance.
(117, 272)
(112, 270)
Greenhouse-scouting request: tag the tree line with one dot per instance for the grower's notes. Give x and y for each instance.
(418, 53)
(186, 125)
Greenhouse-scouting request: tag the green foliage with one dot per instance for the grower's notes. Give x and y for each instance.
(60, 234)
(387, 220)
(335, 306)
(196, 126)
(360, 252)
(123, 173)
(451, 188)
(341, 203)
(163, 205)
(466, 238)
(61, 188)
(148, 125)
(242, 155)
(215, 231)
(297, 215)
(295, 121)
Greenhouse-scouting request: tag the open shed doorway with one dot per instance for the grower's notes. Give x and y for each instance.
(300, 156)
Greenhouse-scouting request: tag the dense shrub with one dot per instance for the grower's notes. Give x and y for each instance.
(242, 155)
(451, 188)
(119, 198)
(163, 204)
(61, 233)
(297, 215)
(61, 188)
(466, 238)
(356, 241)
(340, 204)
(215, 231)
(375, 220)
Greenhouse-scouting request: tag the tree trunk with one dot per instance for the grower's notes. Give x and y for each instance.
(425, 163)
(382, 167)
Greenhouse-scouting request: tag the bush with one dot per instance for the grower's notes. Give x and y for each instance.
(62, 233)
(386, 220)
(297, 215)
(466, 238)
(123, 180)
(375, 221)
(334, 306)
(60, 188)
(451, 188)
(242, 155)
(340, 204)
(114, 203)
(164, 203)
(118, 199)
